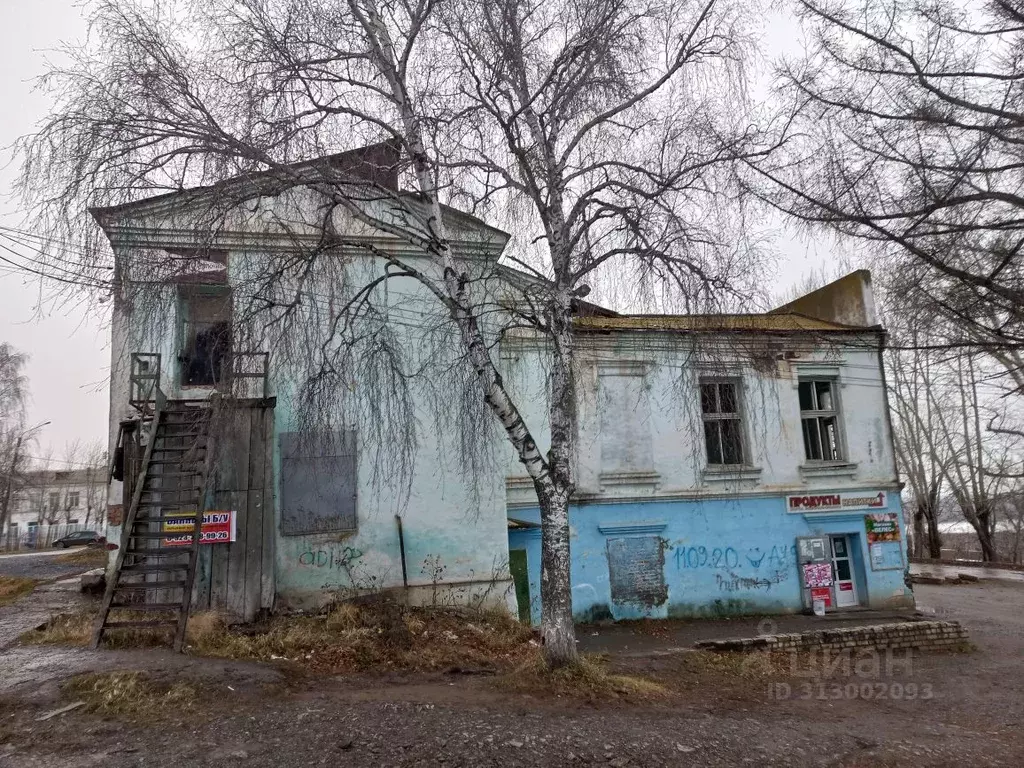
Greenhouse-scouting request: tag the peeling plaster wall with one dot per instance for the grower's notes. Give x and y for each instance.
(456, 543)
(728, 542)
(722, 557)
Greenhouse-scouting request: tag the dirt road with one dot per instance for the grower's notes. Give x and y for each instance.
(43, 565)
(965, 710)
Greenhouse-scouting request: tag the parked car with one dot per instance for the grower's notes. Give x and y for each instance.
(77, 539)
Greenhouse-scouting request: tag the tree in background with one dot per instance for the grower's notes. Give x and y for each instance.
(606, 132)
(13, 394)
(906, 136)
(95, 478)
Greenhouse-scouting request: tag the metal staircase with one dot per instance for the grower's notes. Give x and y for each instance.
(155, 566)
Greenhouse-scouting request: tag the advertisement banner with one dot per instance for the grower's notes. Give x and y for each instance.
(218, 527)
(882, 526)
(844, 501)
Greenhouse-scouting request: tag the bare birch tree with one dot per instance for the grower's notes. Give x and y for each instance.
(608, 130)
(906, 136)
(922, 455)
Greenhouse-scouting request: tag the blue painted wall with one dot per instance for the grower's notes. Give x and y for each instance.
(721, 557)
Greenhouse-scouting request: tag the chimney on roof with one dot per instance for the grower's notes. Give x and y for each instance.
(377, 163)
(848, 301)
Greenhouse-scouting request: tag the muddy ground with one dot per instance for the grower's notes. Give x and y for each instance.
(966, 709)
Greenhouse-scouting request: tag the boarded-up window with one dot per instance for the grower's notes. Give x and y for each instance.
(636, 570)
(625, 413)
(318, 482)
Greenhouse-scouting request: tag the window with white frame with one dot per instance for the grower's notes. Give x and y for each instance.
(723, 424)
(73, 499)
(819, 416)
(54, 501)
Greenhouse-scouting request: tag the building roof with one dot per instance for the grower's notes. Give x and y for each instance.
(786, 322)
(374, 168)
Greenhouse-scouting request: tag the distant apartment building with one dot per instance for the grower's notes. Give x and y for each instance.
(56, 501)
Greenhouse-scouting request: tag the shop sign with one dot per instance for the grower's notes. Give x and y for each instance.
(882, 526)
(835, 502)
(219, 527)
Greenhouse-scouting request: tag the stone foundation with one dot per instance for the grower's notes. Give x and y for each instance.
(924, 635)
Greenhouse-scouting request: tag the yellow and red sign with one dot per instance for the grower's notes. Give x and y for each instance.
(219, 527)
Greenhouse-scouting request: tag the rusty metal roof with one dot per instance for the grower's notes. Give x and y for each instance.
(781, 322)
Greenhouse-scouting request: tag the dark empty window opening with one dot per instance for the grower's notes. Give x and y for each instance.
(720, 408)
(207, 339)
(819, 415)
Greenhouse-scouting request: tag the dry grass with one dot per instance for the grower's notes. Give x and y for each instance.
(700, 665)
(14, 588)
(382, 635)
(92, 556)
(588, 679)
(130, 694)
(76, 629)
(64, 629)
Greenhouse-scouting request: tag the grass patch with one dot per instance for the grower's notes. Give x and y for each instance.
(14, 588)
(380, 635)
(588, 679)
(76, 629)
(700, 665)
(92, 556)
(63, 629)
(129, 694)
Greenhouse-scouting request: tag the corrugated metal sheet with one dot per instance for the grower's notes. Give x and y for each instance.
(782, 322)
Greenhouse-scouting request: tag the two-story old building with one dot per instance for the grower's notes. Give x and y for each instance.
(727, 464)
(719, 457)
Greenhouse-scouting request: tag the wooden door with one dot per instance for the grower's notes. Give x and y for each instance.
(237, 579)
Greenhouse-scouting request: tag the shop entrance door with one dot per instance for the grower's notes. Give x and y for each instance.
(842, 572)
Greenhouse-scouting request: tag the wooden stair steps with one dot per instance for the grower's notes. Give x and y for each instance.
(167, 479)
(141, 623)
(152, 568)
(148, 607)
(143, 586)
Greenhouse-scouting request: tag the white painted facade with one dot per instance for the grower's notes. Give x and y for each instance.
(654, 447)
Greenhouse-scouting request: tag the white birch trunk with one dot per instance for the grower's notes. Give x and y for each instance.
(552, 478)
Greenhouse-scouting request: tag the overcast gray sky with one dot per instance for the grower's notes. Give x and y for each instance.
(68, 346)
(68, 349)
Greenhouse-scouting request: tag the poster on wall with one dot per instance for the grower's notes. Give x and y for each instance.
(882, 526)
(817, 575)
(883, 533)
(218, 527)
(886, 556)
(824, 594)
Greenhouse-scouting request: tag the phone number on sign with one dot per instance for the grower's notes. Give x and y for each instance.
(837, 691)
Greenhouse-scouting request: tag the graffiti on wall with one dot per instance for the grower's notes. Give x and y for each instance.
(726, 558)
(733, 583)
(770, 565)
(706, 557)
(330, 558)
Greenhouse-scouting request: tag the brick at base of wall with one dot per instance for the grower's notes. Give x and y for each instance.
(923, 635)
